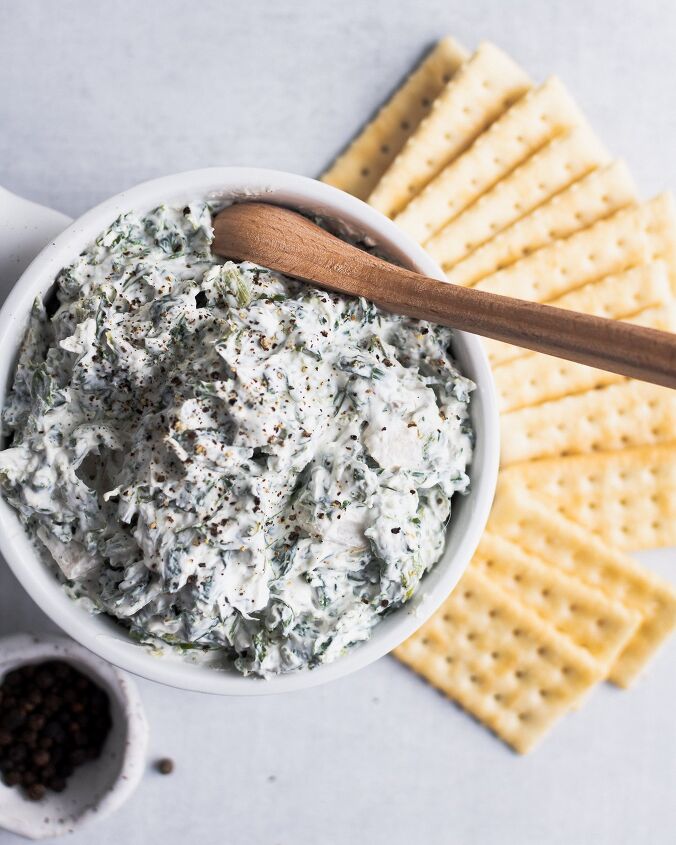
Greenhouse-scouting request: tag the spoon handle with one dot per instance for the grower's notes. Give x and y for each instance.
(624, 348)
(283, 240)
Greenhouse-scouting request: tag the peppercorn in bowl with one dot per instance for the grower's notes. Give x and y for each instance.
(73, 736)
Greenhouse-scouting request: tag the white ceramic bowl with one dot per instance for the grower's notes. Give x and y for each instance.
(98, 788)
(101, 634)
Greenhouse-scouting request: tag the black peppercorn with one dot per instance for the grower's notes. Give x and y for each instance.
(165, 766)
(53, 718)
(36, 792)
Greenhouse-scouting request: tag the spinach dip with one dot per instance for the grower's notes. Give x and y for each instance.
(227, 460)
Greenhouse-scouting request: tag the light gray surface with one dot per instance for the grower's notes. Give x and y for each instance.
(96, 97)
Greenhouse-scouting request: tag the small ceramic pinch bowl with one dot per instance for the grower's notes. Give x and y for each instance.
(96, 788)
(470, 512)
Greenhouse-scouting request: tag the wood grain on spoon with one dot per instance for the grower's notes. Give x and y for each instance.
(285, 241)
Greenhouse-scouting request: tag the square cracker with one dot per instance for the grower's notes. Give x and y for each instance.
(627, 497)
(500, 661)
(629, 238)
(620, 294)
(630, 413)
(560, 162)
(593, 620)
(482, 89)
(565, 544)
(632, 236)
(597, 195)
(523, 129)
(534, 378)
(358, 169)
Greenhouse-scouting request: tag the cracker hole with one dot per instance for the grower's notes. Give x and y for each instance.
(365, 171)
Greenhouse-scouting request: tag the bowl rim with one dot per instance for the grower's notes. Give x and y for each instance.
(100, 634)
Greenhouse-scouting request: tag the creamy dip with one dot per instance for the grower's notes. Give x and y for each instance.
(225, 459)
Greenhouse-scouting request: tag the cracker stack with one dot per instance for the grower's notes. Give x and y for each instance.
(506, 185)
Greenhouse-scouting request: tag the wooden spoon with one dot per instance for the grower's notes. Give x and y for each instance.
(284, 240)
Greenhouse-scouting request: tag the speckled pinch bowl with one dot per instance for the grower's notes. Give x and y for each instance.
(95, 789)
(101, 634)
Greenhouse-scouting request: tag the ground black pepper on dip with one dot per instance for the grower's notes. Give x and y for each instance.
(53, 718)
